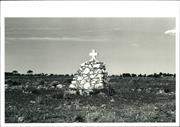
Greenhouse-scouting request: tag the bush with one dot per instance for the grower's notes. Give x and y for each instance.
(54, 83)
(58, 94)
(15, 83)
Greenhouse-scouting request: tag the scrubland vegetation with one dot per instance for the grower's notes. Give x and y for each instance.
(131, 98)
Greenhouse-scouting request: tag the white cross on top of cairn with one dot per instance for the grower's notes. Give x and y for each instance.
(93, 55)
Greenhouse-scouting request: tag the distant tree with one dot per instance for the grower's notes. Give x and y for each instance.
(133, 75)
(67, 75)
(15, 72)
(51, 75)
(38, 74)
(15, 83)
(29, 72)
(156, 75)
(160, 74)
(174, 75)
(8, 74)
(120, 75)
(140, 75)
(168, 74)
(112, 75)
(150, 75)
(126, 75)
(144, 75)
(60, 75)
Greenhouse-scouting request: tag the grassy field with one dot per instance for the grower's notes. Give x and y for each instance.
(134, 99)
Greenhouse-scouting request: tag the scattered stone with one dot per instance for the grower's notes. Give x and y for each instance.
(59, 86)
(148, 90)
(171, 93)
(20, 119)
(72, 91)
(112, 100)
(72, 86)
(32, 102)
(54, 84)
(86, 71)
(155, 108)
(161, 92)
(27, 92)
(139, 90)
(6, 86)
(132, 89)
(103, 106)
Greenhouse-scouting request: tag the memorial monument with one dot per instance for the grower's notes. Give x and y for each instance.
(91, 75)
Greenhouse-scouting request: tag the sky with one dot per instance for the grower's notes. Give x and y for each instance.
(60, 45)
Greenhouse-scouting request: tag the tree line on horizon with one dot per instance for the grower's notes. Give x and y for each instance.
(156, 75)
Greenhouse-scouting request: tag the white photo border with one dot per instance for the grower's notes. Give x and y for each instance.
(107, 9)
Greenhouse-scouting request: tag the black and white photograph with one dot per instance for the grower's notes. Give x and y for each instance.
(89, 70)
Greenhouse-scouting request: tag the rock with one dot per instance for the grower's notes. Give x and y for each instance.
(79, 78)
(99, 76)
(83, 82)
(99, 86)
(92, 76)
(103, 106)
(72, 92)
(52, 87)
(32, 102)
(54, 83)
(86, 71)
(161, 92)
(139, 90)
(91, 72)
(112, 100)
(20, 119)
(87, 85)
(73, 82)
(6, 86)
(59, 86)
(84, 75)
(40, 87)
(97, 65)
(83, 64)
(72, 86)
(101, 81)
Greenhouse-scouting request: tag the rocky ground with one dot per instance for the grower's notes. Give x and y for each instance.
(132, 99)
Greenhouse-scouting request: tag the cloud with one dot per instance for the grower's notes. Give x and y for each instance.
(170, 32)
(116, 29)
(57, 39)
(134, 45)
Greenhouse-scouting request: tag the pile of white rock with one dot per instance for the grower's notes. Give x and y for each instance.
(91, 75)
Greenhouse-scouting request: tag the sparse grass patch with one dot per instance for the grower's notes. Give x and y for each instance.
(134, 100)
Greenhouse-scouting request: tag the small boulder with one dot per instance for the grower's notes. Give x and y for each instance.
(59, 86)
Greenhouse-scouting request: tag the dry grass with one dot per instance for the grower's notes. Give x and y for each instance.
(128, 104)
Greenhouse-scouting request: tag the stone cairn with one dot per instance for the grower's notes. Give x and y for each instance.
(90, 76)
